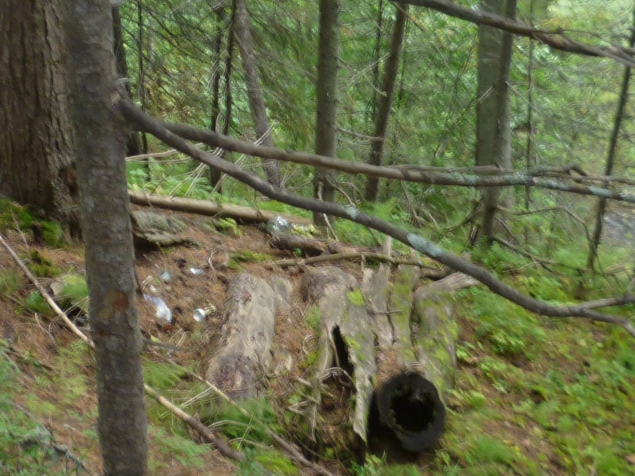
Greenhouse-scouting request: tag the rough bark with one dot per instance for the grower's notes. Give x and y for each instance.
(493, 130)
(36, 131)
(308, 246)
(133, 147)
(326, 92)
(345, 341)
(254, 88)
(385, 99)
(244, 355)
(122, 422)
(610, 159)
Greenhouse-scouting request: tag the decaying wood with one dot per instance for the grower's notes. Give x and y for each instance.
(244, 350)
(375, 291)
(414, 379)
(339, 302)
(401, 302)
(308, 246)
(204, 207)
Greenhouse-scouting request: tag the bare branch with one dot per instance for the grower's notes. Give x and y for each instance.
(555, 39)
(415, 241)
(482, 176)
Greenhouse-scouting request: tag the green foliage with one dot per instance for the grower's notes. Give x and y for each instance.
(355, 297)
(183, 449)
(70, 375)
(240, 426)
(161, 376)
(228, 226)
(40, 266)
(35, 302)
(9, 282)
(276, 462)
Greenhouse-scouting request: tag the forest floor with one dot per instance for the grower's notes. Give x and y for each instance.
(532, 396)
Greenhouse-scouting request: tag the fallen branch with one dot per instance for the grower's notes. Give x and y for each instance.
(481, 176)
(222, 447)
(204, 207)
(555, 39)
(415, 241)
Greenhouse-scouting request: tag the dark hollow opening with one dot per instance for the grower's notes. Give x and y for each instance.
(413, 411)
(341, 349)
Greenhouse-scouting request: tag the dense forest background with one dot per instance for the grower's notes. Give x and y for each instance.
(533, 377)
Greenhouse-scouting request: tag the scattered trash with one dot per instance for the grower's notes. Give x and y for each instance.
(162, 310)
(196, 271)
(201, 314)
(278, 224)
(165, 276)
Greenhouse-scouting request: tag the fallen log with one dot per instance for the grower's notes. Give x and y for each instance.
(411, 400)
(207, 208)
(244, 354)
(375, 291)
(308, 246)
(345, 341)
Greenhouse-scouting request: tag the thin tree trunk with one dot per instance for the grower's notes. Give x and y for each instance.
(326, 92)
(610, 159)
(133, 147)
(228, 71)
(254, 88)
(385, 99)
(142, 79)
(376, 58)
(531, 131)
(36, 132)
(100, 143)
(493, 133)
(215, 175)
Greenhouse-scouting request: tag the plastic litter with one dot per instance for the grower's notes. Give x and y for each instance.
(162, 310)
(165, 276)
(200, 314)
(278, 224)
(196, 271)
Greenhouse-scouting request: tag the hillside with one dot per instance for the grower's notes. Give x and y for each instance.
(531, 396)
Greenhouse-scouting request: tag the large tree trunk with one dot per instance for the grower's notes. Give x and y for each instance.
(385, 99)
(254, 88)
(493, 132)
(36, 133)
(100, 147)
(326, 91)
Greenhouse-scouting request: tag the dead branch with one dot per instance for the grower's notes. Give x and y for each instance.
(482, 176)
(417, 242)
(204, 207)
(222, 447)
(555, 39)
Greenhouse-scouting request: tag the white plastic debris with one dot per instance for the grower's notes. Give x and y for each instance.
(278, 224)
(196, 271)
(162, 310)
(166, 276)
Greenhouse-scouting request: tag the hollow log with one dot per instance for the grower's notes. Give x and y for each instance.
(411, 398)
(345, 341)
(244, 349)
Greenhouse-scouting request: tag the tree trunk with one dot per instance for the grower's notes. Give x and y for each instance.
(254, 89)
(142, 71)
(133, 147)
(36, 132)
(326, 91)
(610, 159)
(385, 100)
(100, 146)
(215, 175)
(493, 132)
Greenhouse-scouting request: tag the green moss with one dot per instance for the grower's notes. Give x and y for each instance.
(234, 265)
(41, 267)
(276, 462)
(249, 256)
(36, 303)
(313, 317)
(355, 297)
